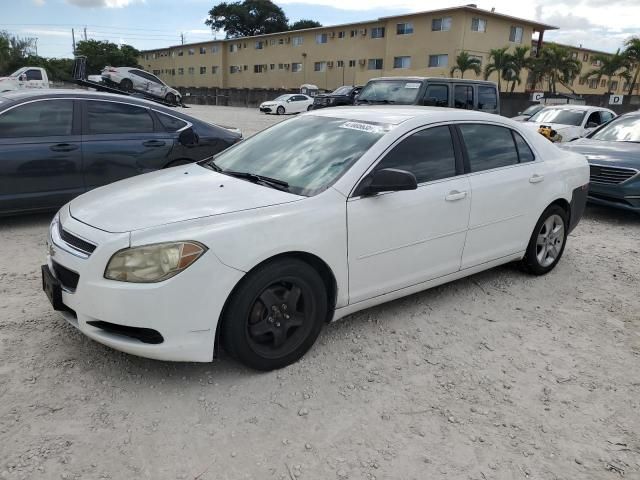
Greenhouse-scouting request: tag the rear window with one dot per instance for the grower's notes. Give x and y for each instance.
(111, 117)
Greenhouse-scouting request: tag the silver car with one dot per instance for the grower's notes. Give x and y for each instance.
(134, 79)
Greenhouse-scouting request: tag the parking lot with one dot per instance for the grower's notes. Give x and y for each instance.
(499, 376)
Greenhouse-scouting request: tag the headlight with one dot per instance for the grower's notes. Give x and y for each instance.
(153, 263)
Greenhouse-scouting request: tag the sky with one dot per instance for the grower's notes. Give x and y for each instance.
(148, 24)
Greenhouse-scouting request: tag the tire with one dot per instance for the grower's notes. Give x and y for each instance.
(275, 315)
(280, 110)
(177, 163)
(126, 85)
(546, 247)
(309, 108)
(170, 98)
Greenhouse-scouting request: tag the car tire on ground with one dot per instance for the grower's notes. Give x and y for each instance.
(275, 315)
(280, 110)
(309, 108)
(547, 241)
(126, 85)
(177, 163)
(170, 98)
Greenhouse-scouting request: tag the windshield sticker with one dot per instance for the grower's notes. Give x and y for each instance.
(363, 127)
(412, 85)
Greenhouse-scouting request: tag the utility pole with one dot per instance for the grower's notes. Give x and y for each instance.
(73, 39)
(182, 39)
(85, 34)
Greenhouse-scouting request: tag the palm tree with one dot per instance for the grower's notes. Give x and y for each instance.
(465, 62)
(500, 62)
(556, 65)
(609, 66)
(632, 54)
(518, 60)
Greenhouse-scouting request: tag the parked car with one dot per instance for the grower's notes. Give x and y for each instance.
(570, 121)
(57, 144)
(136, 80)
(262, 245)
(432, 91)
(613, 152)
(341, 96)
(289, 103)
(25, 78)
(528, 112)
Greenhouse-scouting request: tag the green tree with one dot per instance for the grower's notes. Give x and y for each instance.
(632, 54)
(555, 65)
(13, 51)
(5, 51)
(302, 24)
(102, 53)
(247, 18)
(465, 62)
(518, 60)
(499, 62)
(609, 66)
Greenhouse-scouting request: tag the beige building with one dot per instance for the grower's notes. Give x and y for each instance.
(423, 44)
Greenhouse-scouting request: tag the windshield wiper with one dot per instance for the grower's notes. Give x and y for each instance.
(210, 164)
(259, 179)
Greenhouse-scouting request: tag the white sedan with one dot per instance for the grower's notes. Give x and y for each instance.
(290, 103)
(311, 220)
(134, 79)
(570, 121)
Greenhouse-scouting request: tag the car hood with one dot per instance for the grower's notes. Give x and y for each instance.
(520, 118)
(622, 154)
(169, 196)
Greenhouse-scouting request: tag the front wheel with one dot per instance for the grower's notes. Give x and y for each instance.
(275, 315)
(170, 98)
(280, 110)
(547, 241)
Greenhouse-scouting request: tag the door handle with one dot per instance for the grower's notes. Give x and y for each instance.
(154, 143)
(536, 178)
(455, 195)
(63, 147)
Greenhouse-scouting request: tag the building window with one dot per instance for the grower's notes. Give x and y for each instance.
(180, 53)
(441, 24)
(515, 35)
(438, 60)
(214, 70)
(192, 51)
(585, 57)
(203, 50)
(259, 68)
(319, 66)
(234, 69)
(192, 70)
(281, 41)
(614, 86)
(342, 34)
(353, 33)
(203, 70)
(404, 28)
(375, 64)
(321, 38)
(377, 32)
(297, 41)
(215, 49)
(593, 83)
(280, 66)
(234, 47)
(595, 62)
(296, 67)
(181, 71)
(478, 25)
(272, 66)
(603, 83)
(574, 55)
(340, 63)
(402, 62)
(352, 63)
(259, 45)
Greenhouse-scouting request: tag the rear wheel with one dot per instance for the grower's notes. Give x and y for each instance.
(309, 108)
(126, 85)
(547, 242)
(275, 315)
(280, 110)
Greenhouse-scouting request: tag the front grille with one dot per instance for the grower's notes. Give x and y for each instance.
(68, 279)
(76, 242)
(611, 175)
(145, 335)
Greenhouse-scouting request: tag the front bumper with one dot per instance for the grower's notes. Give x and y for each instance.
(625, 196)
(266, 109)
(183, 310)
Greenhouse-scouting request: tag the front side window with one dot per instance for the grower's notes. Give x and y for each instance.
(296, 67)
(515, 35)
(428, 154)
(112, 117)
(488, 146)
(487, 98)
(478, 25)
(437, 96)
(622, 129)
(325, 148)
(38, 119)
(441, 24)
(438, 60)
(402, 62)
(377, 32)
(463, 97)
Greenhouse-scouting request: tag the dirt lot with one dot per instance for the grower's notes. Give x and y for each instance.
(499, 376)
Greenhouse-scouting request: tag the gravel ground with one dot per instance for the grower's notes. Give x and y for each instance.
(499, 376)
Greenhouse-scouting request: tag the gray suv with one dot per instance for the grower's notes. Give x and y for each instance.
(432, 91)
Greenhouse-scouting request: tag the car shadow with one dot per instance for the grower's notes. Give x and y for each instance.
(610, 215)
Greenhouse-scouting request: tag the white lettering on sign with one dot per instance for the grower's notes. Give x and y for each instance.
(363, 127)
(411, 85)
(616, 99)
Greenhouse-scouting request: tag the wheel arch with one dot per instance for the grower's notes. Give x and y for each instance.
(323, 269)
(565, 205)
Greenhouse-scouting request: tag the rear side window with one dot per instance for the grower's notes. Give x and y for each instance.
(437, 96)
(488, 146)
(110, 117)
(428, 154)
(524, 151)
(38, 119)
(487, 98)
(171, 124)
(463, 97)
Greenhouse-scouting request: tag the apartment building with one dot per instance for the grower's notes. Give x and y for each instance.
(423, 44)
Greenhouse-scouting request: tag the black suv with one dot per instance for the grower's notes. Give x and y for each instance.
(344, 95)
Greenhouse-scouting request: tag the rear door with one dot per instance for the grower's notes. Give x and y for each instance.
(40, 155)
(120, 140)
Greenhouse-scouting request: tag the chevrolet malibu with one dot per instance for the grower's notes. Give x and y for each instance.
(311, 220)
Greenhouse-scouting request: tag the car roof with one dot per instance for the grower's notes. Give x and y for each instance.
(20, 95)
(395, 115)
(575, 107)
(435, 79)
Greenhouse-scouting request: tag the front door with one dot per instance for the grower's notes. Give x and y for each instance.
(399, 239)
(40, 156)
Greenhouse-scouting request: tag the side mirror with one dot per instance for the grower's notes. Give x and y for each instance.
(188, 138)
(591, 125)
(23, 78)
(387, 180)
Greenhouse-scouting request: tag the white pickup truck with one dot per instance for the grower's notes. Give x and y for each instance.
(25, 78)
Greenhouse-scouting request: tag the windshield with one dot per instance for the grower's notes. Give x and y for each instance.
(558, 115)
(18, 72)
(342, 91)
(403, 92)
(533, 109)
(309, 153)
(281, 98)
(624, 129)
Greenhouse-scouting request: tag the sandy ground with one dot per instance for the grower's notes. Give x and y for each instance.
(499, 376)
